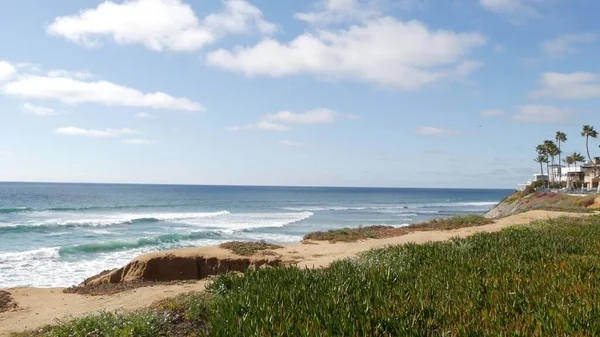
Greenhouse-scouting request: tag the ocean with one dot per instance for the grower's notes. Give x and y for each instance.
(56, 235)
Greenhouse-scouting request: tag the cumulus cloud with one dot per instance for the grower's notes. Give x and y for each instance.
(7, 71)
(382, 51)
(239, 17)
(492, 113)
(542, 114)
(291, 143)
(516, 10)
(81, 75)
(158, 24)
(39, 110)
(336, 11)
(435, 131)
(73, 91)
(74, 131)
(138, 141)
(566, 44)
(282, 120)
(568, 86)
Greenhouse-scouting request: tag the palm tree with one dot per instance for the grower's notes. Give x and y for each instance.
(542, 151)
(560, 137)
(577, 157)
(587, 132)
(551, 151)
(568, 160)
(541, 158)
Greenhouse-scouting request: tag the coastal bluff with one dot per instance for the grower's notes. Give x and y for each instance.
(518, 203)
(180, 265)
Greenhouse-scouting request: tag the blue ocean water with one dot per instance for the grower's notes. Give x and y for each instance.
(59, 234)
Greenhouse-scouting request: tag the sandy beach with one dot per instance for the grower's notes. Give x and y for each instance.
(38, 307)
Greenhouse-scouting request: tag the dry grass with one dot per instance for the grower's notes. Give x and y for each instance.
(381, 232)
(250, 248)
(6, 301)
(115, 288)
(558, 201)
(356, 234)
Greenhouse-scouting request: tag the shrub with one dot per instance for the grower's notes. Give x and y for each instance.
(248, 248)
(528, 281)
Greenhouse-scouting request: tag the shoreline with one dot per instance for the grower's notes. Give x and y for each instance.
(41, 306)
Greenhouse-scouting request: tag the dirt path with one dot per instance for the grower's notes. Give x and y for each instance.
(38, 307)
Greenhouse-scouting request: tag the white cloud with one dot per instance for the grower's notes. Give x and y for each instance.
(335, 11)
(158, 24)
(492, 113)
(566, 44)
(542, 114)
(239, 17)
(280, 121)
(434, 131)
(261, 125)
(291, 143)
(570, 86)
(71, 91)
(81, 75)
(74, 131)
(39, 110)
(316, 116)
(516, 9)
(7, 71)
(138, 141)
(144, 115)
(383, 51)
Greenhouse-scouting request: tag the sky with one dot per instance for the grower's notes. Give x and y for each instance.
(405, 93)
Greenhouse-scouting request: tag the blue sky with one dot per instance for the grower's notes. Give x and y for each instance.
(407, 93)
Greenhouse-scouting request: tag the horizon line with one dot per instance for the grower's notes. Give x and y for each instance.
(251, 185)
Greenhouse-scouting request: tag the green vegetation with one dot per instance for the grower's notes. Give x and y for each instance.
(355, 234)
(181, 316)
(588, 132)
(542, 279)
(249, 248)
(532, 187)
(559, 201)
(139, 324)
(529, 200)
(454, 222)
(379, 232)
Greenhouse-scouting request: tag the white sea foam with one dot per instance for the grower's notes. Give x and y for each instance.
(269, 237)
(42, 254)
(100, 220)
(392, 208)
(236, 222)
(45, 268)
(323, 208)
